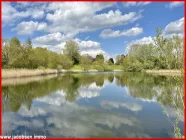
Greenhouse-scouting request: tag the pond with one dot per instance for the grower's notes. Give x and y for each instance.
(109, 104)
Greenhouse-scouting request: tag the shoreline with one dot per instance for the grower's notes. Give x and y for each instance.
(165, 72)
(24, 73)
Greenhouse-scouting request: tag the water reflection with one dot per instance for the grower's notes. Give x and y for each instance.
(113, 104)
(92, 105)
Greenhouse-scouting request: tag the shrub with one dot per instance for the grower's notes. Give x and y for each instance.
(67, 63)
(99, 68)
(107, 68)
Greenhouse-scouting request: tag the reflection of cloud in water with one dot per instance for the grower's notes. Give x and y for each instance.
(54, 99)
(172, 112)
(12, 121)
(114, 104)
(90, 91)
(69, 120)
(8, 122)
(154, 99)
(23, 111)
(127, 92)
(82, 121)
(84, 92)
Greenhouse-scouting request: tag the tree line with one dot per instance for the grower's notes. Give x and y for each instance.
(17, 55)
(163, 53)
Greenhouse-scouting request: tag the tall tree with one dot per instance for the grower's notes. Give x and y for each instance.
(5, 52)
(99, 59)
(160, 43)
(85, 62)
(111, 61)
(72, 50)
(119, 59)
(29, 43)
(14, 42)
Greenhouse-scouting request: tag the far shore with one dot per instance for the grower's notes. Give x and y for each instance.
(165, 72)
(21, 73)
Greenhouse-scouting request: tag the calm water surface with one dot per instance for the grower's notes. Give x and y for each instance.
(92, 105)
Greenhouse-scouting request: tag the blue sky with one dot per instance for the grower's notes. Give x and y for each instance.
(108, 28)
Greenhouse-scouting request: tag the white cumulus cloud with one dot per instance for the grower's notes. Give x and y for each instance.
(175, 27)
(26, 28)
(82, 17)
(174, 4)
(56, 42)
(129, 4)
(144, 40)
(130, 32)
(10, 14)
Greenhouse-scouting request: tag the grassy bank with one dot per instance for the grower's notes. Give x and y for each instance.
(165, 72)
(25, 80)
(18, 73)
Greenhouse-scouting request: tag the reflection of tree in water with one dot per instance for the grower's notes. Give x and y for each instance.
(111, 78)
(99, 79)
(168, 91)
(140, 86)
(175, 95)
(148, 86)
(70, 87)
(16, 95)
(172, 89)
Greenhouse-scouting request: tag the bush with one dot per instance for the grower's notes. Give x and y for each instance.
(132, 65)
(148, 64)
(85, 62)
(67, 63)
(107, 68)
(135, 67)
(99, 68)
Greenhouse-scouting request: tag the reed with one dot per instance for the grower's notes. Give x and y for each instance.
(166, 72)
(16, 73)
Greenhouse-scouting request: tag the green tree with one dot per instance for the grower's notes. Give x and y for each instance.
(160, 43)
(72, 50)
(99, 59)
(85, 61)
(14, 42)
(178, 52)
(41, 57)
(16, 53)
(119, 59)
(111, 61)
(5, 53)
(29, 43)
(66, 62)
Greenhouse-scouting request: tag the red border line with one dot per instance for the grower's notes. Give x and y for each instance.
(96, 1)
(93, 0)
(184, 68)
(1, 71)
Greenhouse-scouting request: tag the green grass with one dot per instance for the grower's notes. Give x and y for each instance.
(99, 67)
(77, 67)
(117, 67)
